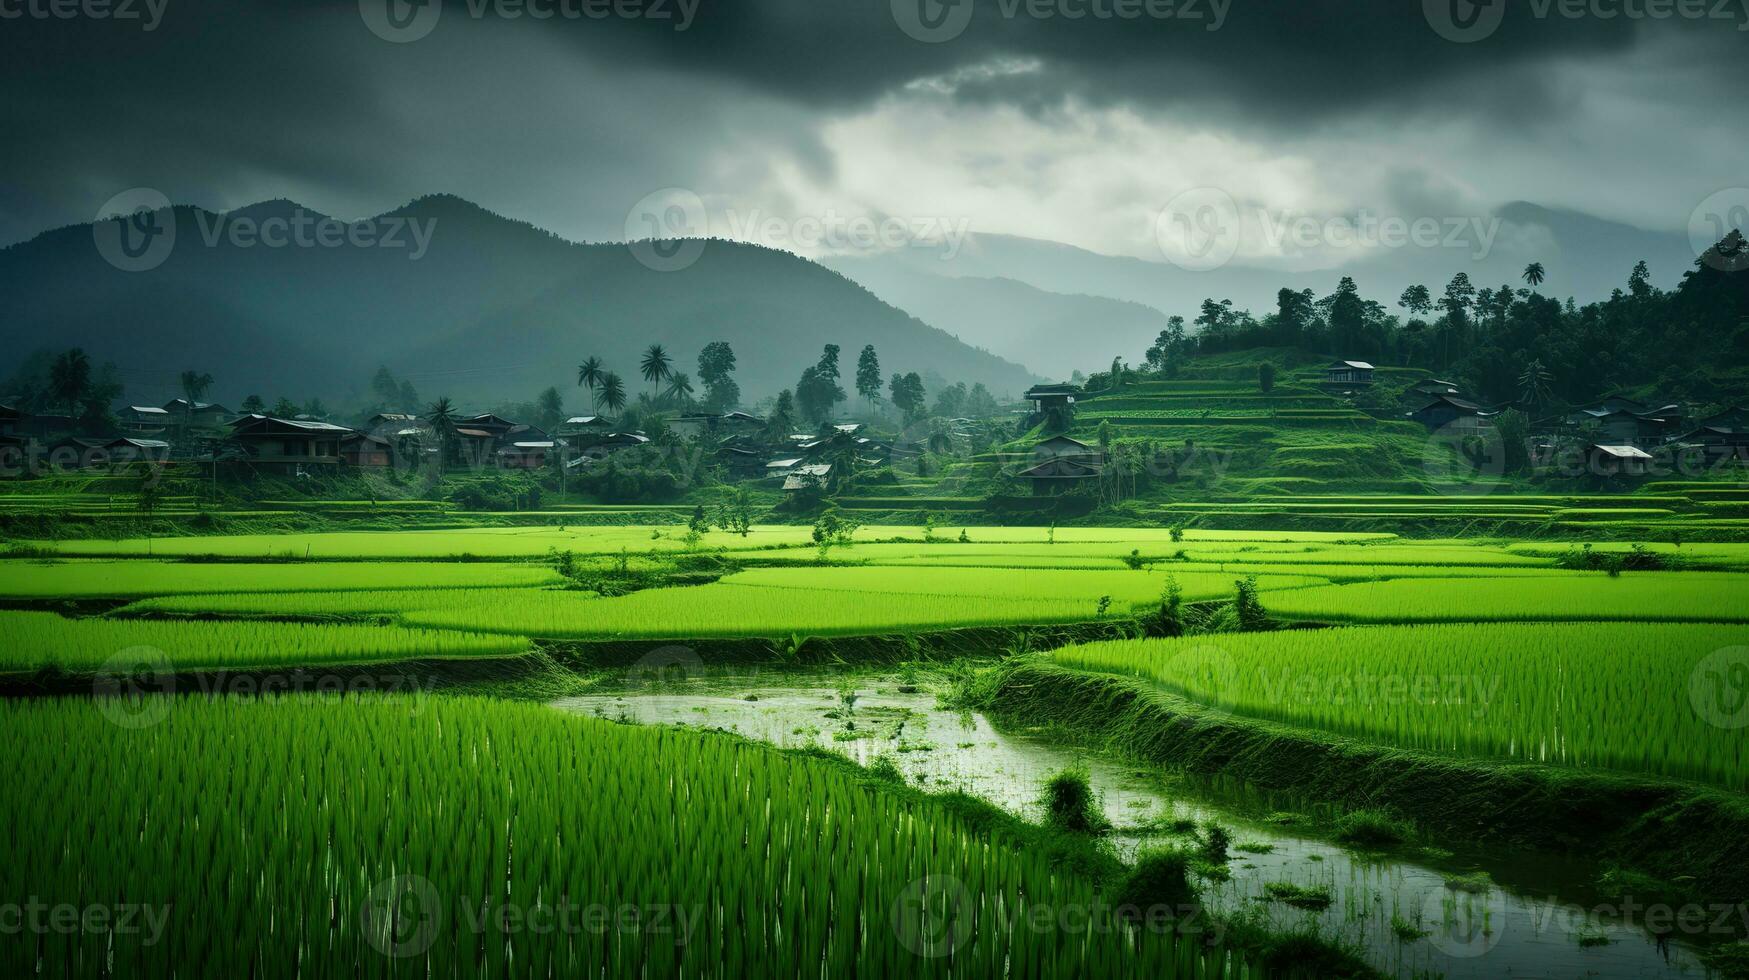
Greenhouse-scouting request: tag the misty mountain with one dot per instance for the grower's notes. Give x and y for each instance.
(484, 310)
(1584, 257)
(1054, 331)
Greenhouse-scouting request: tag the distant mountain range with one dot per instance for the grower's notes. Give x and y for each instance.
(493, 310)
(1057, 307)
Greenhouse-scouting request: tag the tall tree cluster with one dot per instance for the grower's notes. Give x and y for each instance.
(1485, 336)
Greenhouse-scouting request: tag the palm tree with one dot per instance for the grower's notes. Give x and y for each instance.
(70, 379)
(1533, 384)
(655, 365)
(1533, 274)
(679, 388)
(441, 415)
(589, 376)
(613, 392)
(194, 387)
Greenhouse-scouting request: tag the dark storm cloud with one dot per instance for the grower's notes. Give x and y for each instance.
(221, 95)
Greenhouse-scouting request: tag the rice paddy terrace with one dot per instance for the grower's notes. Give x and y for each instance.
(1353, 671)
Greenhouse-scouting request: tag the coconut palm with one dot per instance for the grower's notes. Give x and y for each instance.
(613, 392)
(679, 388)
(655, 366)
(589, 375)
(1533, 274)
(441, 415)
(1533, 384)
(194, 387)
(70, 379)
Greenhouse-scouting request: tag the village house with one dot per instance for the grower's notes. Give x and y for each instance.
(692, 425)
(473, 446)
(493, 425)
(129, 450)
(579, 432)
(1720, 436)
(1046, 397)
(44, 424)
(145, 420)
(741, 461)
(605, 446)
(77, 453)
(1608, 460)
(809, 476)
(205, 415)
(363, 449)
(740, 424)
(1453, 413)
(1060, 463)
(1432, 388)
(11, 420)
(288, 445)
(393, 421)
(1348, 373)
(1619, 420)
(526, 455)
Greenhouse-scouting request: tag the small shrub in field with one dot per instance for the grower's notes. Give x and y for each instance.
(883, 768)
(1215, 841)
(1298, 896)
(1372, 828)
(1070, 804)
(1159, 878)
(1247, 607)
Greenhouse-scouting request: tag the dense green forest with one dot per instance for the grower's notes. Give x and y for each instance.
(1674, 341)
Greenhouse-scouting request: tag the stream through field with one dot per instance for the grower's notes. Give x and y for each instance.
(1460, 915)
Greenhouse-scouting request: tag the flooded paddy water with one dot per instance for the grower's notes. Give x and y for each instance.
(1421, 913)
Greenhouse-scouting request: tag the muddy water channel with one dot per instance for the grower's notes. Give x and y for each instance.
(1430, 913)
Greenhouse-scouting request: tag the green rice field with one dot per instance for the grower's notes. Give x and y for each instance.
(1603, 695)
(473, 837)
(122, 579)
(1632, 596)
(32, 641)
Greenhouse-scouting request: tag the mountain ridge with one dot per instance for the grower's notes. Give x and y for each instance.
(496, 310)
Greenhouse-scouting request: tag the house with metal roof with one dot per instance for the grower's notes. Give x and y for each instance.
(209, 414)
(143, 419)
(1049, 396)
(1348, 373)
(808, 476)
(1453, 414)
(1617, 460)
(1060, 463)
(288, 445)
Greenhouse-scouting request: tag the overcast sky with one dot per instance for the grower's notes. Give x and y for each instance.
(1071, 120)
